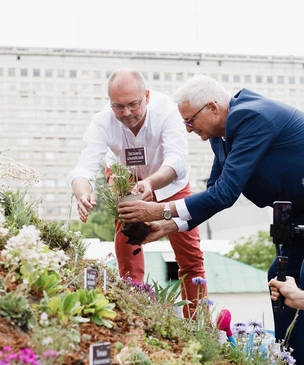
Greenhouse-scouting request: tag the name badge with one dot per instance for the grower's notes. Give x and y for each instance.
(135, 156)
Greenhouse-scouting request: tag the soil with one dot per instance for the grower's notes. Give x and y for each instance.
(136, 232)
(126, 328)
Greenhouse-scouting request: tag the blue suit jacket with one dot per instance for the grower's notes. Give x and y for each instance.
(262, 157)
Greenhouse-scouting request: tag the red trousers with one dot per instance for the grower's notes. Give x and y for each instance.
(188, 255)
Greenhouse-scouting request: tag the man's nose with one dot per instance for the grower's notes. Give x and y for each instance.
(126, 111)
(189, 129)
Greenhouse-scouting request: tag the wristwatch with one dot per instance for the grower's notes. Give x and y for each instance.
(167, 214)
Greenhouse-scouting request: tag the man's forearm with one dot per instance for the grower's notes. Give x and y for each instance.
(163, 177)
(80, 186)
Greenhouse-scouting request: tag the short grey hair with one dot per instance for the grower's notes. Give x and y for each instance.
(201, 89)
(131, 72)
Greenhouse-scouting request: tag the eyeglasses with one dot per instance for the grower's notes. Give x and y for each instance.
(132, 106)
(189, 122)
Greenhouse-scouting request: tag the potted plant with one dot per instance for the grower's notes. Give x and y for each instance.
(121, 183)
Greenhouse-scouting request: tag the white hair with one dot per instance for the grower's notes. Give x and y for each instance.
(201, 89)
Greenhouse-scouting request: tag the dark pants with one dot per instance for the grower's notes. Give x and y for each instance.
(295, 254)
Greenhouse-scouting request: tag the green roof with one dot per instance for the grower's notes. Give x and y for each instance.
(225, 275)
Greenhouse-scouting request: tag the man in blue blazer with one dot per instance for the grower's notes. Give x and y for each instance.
(258, 146)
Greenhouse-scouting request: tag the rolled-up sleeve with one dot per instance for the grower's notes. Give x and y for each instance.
(92, 156)
(175, 145)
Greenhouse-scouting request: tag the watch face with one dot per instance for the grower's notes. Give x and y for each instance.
(167, 214)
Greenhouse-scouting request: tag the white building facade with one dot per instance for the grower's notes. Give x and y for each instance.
(48, 97)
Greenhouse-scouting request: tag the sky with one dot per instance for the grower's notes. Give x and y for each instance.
(259, 27)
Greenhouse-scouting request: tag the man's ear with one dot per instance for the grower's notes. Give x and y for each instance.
(213, 106)
(147, 96)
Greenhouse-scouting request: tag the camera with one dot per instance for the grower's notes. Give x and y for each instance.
(283, 230)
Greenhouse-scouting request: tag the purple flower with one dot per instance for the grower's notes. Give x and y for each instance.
(239, 324)
(198, 280)
(206, 301)
(240, 329)
(255, 324)
(285, 356)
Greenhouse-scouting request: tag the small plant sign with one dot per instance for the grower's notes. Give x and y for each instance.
(100, 353)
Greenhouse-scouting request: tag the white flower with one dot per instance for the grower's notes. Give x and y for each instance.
(17, 171)
(3, 232)
(47, 340)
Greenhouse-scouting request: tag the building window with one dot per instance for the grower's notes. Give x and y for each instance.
(248, 78)
(145, 75)
(258, 79)
(36, 72)
(292, 80)
(1, 71)
(24, 87)
(225, 78)
(73, 87)
(97, 88)
(48, 73)
(97, 74)
(97, 101)
(85, 87)
(61, 73)
(11, 86)
(108, 74)
(280, 79)
(23, 72)
(179, 77)
(24, 100)
(85, 73)
(301, 80)
(172, 271)
(73, 74)
(167, 76)
(156, 76)
(236, 78)
(36, 86)
(48, 87)
(36, 100)
(269, 79)
(11, 72)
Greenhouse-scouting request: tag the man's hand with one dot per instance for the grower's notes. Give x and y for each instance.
(84, 205)
(140, 211)
(294, 297)
(159, 230)
(145, 189)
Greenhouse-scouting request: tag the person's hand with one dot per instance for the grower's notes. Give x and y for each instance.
(160, 229)
(288, 289)
(139, 211)
(84, 205)
(145, 189)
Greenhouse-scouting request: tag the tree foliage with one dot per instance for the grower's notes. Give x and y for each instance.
(257, 250)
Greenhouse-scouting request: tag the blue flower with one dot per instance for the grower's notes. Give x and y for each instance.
(198, 280)
(206, 301)
(241, 329)
(285, 356)
(255, 324)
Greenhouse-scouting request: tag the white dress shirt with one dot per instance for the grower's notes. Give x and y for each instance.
(163, 135)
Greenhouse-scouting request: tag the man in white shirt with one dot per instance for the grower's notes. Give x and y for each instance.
(148, 123)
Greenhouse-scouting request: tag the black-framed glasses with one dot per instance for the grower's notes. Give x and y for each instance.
(134, 105)
(189, 122)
